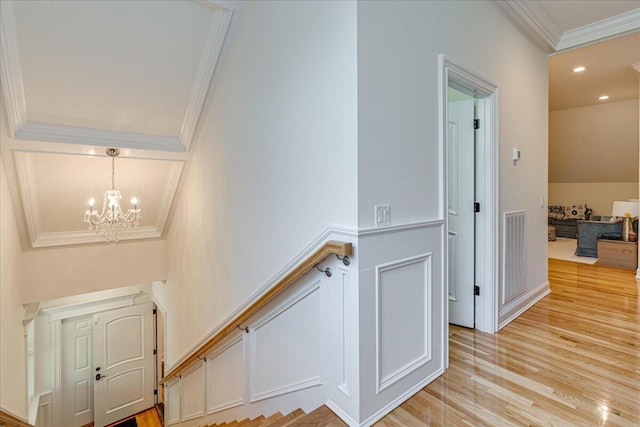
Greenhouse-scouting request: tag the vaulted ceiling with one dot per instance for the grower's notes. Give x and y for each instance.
(78, 77)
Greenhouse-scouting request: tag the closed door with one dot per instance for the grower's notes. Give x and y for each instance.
(461, 192)
(77, 378)
(123, 363)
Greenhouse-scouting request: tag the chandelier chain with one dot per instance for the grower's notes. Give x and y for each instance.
(113, 173)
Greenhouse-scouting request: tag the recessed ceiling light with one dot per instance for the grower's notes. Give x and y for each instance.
(579, 69)
(603, 97)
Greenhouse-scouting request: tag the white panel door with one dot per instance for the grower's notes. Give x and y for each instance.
(77, 372)
(123, 361)
(461, 155)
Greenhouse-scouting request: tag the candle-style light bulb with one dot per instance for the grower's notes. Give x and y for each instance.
(134, 200)
(92, 202)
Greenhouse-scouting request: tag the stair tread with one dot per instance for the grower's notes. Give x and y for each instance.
(267, 421)
(323, 416)
(287, 418)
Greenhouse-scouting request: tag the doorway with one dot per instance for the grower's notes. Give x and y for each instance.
(106, 361)
(476, 175)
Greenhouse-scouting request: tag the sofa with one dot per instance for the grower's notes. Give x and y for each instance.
(565, 219)
(597, 228)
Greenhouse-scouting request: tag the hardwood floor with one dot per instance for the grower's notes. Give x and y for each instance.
(148, 418)
(571, 360)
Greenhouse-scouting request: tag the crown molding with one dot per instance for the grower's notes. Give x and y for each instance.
(104, 138)
(19, 161)
(45, 240)
(208, 61)
(533, 20)
(16, 104)
(636, 66)
(11, 70)
(171, 189)
(611, 27)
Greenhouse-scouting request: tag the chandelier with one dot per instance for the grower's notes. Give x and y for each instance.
(112, 220)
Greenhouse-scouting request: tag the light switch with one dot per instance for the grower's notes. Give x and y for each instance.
(383, 215)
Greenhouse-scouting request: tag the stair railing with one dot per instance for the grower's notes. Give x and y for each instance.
(341, 249)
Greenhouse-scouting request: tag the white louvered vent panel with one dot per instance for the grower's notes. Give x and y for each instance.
(514, 255)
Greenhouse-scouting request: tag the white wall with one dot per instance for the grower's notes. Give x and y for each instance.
(599, 196)
(61, 272)
(274, 164)
(398, 154)
(13, 394)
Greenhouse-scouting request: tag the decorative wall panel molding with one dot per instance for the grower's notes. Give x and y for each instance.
(271, 351)
(193, 392)
(225, 376)
(403, 318)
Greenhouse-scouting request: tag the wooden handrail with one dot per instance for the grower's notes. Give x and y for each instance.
(329, 248)
(9, 420)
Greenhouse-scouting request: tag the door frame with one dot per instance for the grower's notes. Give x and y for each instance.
(57, 315)
(486, 315)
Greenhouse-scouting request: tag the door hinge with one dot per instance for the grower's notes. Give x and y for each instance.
(476, 123)
(155, 311)
(476, 290)
(155, 392)
(476, 207)
(155, 351)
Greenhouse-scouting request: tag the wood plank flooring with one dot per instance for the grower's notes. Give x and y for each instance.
(571, 360)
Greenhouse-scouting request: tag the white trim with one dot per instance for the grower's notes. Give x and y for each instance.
(525, 303)
(375, 231)
(209, 357)
(636, 66)
(487, 276)
(400, 399)
(533, 20)
(301, 385)
(171, 189)
(29, 146)
(607, 28)
(191, 371)
(100, 137)
(66, 312)
(344, 365)
(20, 166)
(426, 356)
(45, 240)
(11, 69)
(208, 62)
(341, 413)
(56, 337)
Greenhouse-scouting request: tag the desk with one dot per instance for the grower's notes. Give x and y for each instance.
(616, 253)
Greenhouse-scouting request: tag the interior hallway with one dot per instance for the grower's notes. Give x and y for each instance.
(572, 359)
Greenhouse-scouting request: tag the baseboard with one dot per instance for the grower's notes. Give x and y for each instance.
(523, 304)
(400, 399)
(342, 414)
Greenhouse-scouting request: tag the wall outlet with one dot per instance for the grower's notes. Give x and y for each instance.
(383, 215)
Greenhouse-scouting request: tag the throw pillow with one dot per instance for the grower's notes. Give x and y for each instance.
(556, 212)
(575, 212)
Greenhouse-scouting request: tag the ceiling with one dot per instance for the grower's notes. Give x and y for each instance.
(78, 77)
(609, 72)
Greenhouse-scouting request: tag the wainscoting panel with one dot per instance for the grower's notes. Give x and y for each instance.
(403, 324)
(193, 393)
(44, 418)
(285, 362)
(225, 376)
(515, 260)
(453, 266)
(172, 398)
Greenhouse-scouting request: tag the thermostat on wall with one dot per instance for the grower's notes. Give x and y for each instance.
(516, 154)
